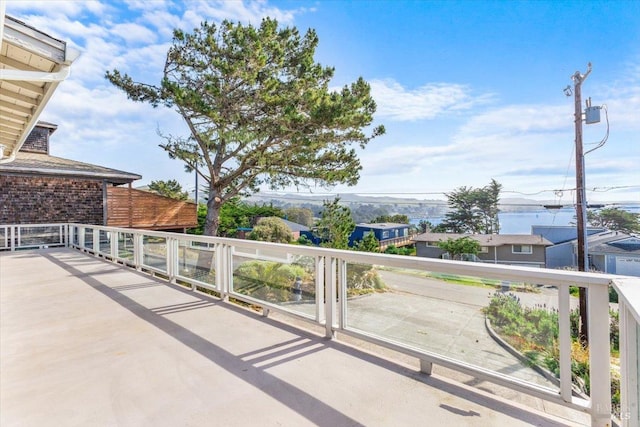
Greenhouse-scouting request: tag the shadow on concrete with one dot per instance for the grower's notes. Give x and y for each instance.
(245, 367)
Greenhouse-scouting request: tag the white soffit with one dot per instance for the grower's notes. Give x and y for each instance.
(32, 64)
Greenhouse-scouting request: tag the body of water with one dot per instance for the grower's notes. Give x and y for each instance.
(521, 222)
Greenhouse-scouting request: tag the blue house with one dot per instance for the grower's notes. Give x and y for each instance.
(387, 234)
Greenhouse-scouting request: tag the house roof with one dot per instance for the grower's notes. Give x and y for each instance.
(614, 242)
(44, 164)
(487, 239)
(32, 65)
(381, 225)
(294, 226)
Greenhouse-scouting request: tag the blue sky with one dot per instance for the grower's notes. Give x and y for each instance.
(467, 90)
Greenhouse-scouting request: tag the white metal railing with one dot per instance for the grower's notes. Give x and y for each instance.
(629, 308)
(267, 275)
(30, 236)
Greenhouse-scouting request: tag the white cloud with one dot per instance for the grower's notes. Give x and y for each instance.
(251, 12)
(426, 102)
(60, 8)
(134, 33)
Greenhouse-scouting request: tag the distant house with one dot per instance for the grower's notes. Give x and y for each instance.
(387, 234)
(37, 188)
(612, 252)
(511, 249)
(562, 253)
(615, 252)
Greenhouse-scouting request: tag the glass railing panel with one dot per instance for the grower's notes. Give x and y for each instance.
(105, 242)
(154, 252)
(38, 235)
(88, 238)
(284, 279)
(5, 234)
(125, 246)
(75, 239)
(509, 328)
(196, 261)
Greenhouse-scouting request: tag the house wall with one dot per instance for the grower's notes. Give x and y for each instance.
(559, 256)
(41, 199)
(428, 251)
(393, 233)
(37, 141)
(506, 255)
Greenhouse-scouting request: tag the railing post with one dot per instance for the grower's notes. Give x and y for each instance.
(342, 295)
(13, 237)
(80, 232)
(599, 355)
(320, 315)
(564, 345)
(330, 295)
(172, 259)
(113, 241)
(224, 269)
(96, 242)
(629, 414)
(137, 250)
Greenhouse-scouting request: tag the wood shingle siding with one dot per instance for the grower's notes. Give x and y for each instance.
(128, 207)
(47, 199)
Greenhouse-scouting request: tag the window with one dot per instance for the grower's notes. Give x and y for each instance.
(484, 249)
(385, 234)
(521, 249)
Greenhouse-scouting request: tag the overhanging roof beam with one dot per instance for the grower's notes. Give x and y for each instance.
(12, 64)
(6, 116)
(15, 107)
(18, 96)
(30, 87)
(7, 131)
(35, 76)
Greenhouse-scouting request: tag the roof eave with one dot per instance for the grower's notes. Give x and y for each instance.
(35, 42)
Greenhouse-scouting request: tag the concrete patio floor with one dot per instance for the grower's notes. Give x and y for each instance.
(86, 342)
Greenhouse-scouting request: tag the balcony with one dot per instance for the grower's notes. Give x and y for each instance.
(114, 326)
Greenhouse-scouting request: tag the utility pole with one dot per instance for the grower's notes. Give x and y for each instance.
(581, 203)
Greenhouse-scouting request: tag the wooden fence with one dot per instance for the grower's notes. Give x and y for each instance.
(127, 207)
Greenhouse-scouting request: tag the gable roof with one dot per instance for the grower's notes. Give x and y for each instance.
(44, 164)
(294, 226)
(614, 242)
(487, 239)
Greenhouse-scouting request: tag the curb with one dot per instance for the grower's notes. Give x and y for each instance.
(544, 372)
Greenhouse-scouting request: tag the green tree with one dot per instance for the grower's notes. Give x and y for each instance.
(302, 216)
(202, 217)
(271, 229)
(457, 247)
(170, 188)
(238, 214)
(369, 243)
(487, 199)
(259, 110)
(335, 225)
(396, 219)
(473, 210)
(424, 226)
(615, 219)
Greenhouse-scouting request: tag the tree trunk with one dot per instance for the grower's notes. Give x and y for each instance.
(212, 221)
